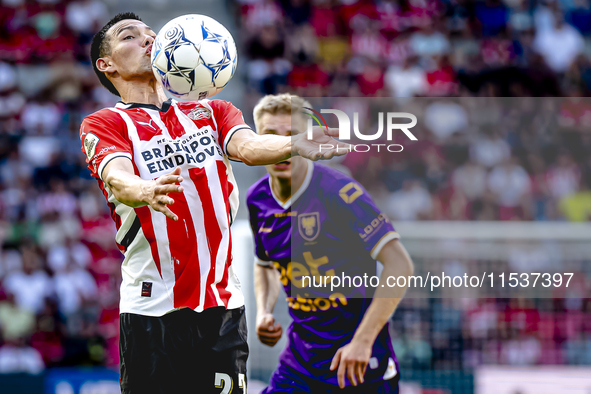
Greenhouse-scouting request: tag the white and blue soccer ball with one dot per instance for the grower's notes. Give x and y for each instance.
(194, 56)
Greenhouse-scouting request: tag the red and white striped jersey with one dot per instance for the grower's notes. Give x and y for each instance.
(168, 264)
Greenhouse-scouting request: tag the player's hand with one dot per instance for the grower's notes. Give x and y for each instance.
(268, 331)
(322, 146)
(351, 361)
(156, 192)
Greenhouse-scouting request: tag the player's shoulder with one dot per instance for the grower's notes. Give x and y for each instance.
(105, 115)
(259, 190)
(189, 104)
(215, 104)
(330, 178)
(205, 108)
(337, 188)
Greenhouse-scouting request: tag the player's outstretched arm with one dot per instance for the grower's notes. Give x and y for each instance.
(134, 191)
(256, 149)
(266, 289)
(353, 358)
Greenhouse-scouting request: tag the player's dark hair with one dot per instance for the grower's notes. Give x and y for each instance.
(101, 47)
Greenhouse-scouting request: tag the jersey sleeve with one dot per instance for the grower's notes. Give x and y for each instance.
(103, 139)
(360, 214)
(229, 120)
(259, 249)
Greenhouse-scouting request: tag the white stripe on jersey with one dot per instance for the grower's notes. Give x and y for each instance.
(166, 263)
(196, 210)
(143, 258)
(237, 298)
(219, 207)
(221, 215)
(155, 116)
(197, 215)
(128, 122)
(159, 220)
(137, 267)
(234, 196)
(125, 212)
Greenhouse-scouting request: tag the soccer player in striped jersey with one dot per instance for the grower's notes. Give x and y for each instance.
(312, 221)
(164, 168)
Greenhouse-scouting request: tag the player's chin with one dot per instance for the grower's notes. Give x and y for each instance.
(283, 174)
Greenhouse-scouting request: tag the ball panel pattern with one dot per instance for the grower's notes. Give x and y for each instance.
(194, 57)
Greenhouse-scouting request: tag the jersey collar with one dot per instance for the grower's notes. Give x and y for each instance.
(165, 105)
(301, 190)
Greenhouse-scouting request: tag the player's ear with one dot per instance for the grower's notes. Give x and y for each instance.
(105, 65)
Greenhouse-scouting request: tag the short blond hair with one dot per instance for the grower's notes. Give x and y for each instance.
(285, 104)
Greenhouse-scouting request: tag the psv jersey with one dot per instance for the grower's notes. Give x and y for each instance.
(168, 264)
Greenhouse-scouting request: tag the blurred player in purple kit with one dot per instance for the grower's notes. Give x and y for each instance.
(311, 220)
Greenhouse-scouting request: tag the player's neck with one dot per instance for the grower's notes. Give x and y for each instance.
(285, 188)
(281, 188)
(143, 92)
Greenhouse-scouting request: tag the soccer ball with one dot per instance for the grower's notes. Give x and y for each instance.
(194, 57)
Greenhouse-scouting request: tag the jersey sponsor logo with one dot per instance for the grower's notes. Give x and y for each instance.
(105, 150)
(90, 143)
(82, 134)
(149, 124)
(198, 113)
(189, 149)
(309, 225)
(374, 226)
(350, 192)
(101, 152)
(294, 273)
(306, 304)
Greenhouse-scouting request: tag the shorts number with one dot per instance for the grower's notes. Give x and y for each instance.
(224, 381)
(242, 382)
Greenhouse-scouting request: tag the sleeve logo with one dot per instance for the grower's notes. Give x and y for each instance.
(350, 192)
(90, 143)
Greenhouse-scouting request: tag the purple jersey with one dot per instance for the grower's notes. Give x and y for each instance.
(330, 226)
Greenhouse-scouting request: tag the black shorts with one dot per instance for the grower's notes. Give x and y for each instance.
(184, 352)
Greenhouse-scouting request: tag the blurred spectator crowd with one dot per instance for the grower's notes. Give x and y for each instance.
(473, 162)
(406, 48)
(464, 333)
(479, 158)
(59, 265)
